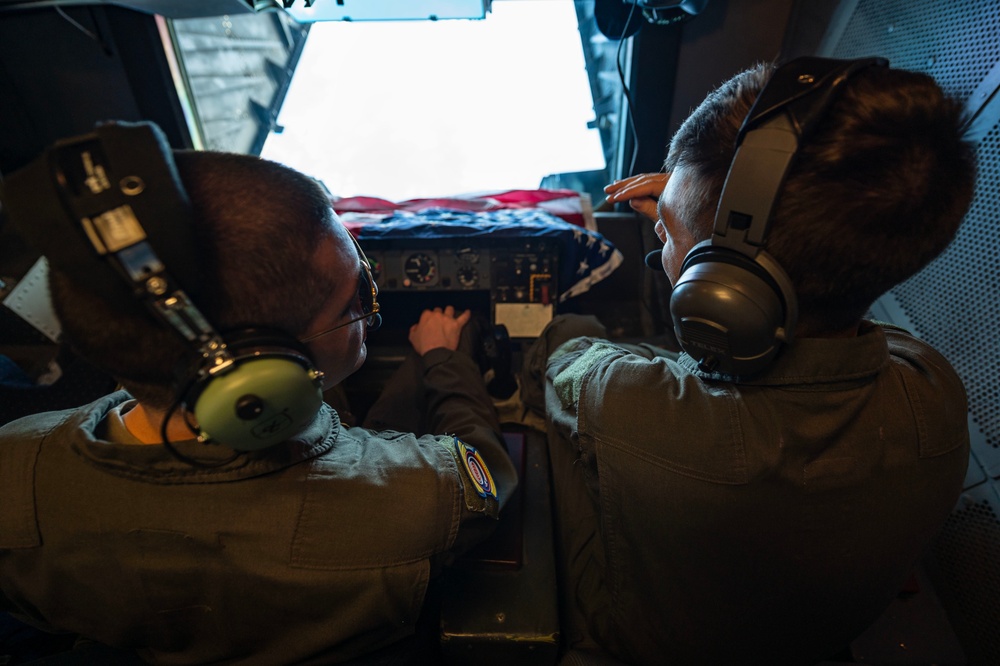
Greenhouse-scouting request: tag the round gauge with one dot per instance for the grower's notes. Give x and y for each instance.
(420, 268)
(467, 277)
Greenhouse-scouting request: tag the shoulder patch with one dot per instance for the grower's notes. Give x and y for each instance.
(480, 489)
(482, 480)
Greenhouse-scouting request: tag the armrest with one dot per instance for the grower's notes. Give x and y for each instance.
(498, 602)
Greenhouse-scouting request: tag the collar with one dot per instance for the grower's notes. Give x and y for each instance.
(154, 464)
(815, 360)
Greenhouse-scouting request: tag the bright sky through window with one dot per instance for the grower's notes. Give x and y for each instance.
(403, 110)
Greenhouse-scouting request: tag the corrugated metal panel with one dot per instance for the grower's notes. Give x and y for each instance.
(236, 69)
(953, 303)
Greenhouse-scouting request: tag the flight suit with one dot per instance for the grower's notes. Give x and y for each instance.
(319, 549)
(706, 519)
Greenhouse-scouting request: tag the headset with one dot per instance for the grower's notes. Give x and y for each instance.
(108, 209)
(733, 306)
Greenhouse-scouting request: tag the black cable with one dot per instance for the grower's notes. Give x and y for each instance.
(645, 302)
(177, 454)
(627, 93)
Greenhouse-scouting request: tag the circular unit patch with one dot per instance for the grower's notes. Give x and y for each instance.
(477, 469)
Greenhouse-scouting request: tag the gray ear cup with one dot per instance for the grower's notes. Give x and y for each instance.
(269, 393)
(731, 313)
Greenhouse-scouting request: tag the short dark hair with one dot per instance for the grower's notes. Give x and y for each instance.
(258, 225)
(877, 193)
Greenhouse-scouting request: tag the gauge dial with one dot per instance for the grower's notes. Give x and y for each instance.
(420, 268)
(467, 276)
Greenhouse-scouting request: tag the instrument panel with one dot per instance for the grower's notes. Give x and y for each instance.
(430, 269)
(513, 280)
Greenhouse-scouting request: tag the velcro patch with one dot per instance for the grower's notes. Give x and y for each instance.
(480, 489)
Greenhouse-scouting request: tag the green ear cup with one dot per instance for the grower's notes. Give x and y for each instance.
(259, 403)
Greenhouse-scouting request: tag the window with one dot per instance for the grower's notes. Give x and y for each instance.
(410, 109)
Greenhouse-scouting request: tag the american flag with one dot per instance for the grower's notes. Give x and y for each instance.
(586, 256)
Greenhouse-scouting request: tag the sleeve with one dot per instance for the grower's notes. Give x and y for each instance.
(459, 406)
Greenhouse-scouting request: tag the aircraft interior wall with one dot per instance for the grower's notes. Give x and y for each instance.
(953, 303)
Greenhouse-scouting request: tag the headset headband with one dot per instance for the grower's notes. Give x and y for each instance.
(81, 204)
(102, 184)
(785, 114)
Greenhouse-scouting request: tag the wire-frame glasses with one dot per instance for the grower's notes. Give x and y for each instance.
(367, 297)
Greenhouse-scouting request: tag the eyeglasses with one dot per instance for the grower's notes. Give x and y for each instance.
(367, 297)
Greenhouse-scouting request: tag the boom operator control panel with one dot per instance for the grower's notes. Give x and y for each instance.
(510, 280)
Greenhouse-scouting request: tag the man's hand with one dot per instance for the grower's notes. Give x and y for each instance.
(642, 192)
(438, 328)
